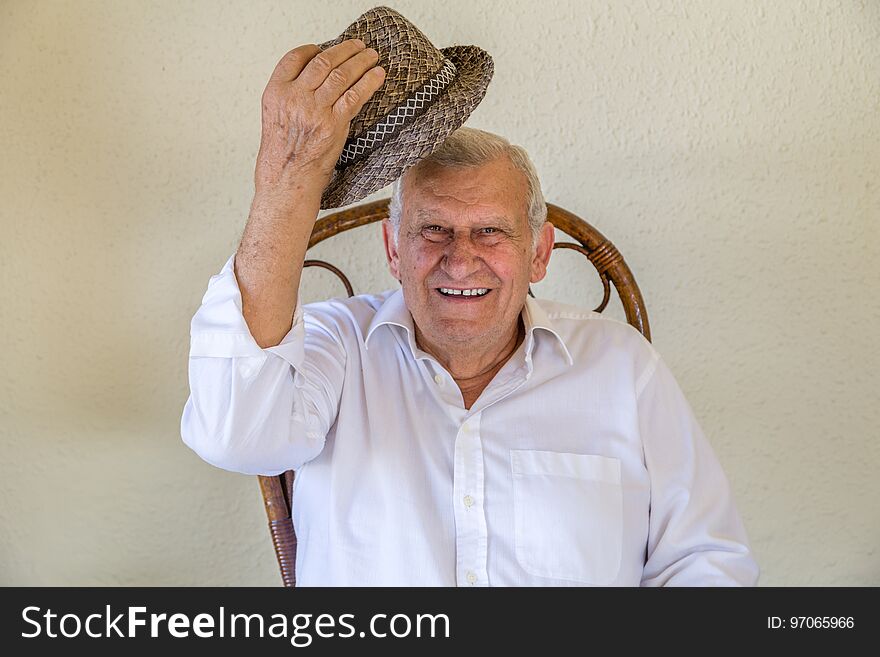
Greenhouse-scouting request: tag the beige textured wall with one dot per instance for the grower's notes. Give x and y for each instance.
(730, 149)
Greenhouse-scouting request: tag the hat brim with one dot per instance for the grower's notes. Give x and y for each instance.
(419, 139)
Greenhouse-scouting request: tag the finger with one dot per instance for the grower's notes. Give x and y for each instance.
(317, 70)
(344, 76)
(292, 64)
(351, 102)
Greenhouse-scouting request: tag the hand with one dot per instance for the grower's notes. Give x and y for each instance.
(308, 106)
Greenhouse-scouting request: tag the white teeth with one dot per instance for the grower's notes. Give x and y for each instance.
(480, 291)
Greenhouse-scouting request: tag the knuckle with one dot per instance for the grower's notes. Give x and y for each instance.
(351, 97)
(336, 77)
(279, 98)
(295, 56)
(322, 63)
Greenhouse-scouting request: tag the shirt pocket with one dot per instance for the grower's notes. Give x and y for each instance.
(568, 512)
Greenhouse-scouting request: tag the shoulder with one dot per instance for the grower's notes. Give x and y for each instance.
(344, 315)
(590, 336)
(575, 321)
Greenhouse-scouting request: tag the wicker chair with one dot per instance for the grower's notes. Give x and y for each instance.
(277, 490)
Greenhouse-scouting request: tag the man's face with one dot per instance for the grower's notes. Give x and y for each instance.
(466, 229)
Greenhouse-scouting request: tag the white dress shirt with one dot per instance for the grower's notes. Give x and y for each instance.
(580, 464)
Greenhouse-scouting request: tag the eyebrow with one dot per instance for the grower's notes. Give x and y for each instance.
(425, 214)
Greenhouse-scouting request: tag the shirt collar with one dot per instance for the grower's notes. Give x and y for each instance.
(394, 312)
(534, 318)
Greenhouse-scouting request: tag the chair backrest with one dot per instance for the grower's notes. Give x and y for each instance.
(277, 490)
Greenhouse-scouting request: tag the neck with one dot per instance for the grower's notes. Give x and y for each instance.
(474, 366)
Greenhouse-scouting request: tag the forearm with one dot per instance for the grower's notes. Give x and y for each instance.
(269, 260)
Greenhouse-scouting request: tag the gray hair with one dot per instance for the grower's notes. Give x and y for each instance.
(468, 147)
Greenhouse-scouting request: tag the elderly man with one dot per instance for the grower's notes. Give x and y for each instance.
(454, 431)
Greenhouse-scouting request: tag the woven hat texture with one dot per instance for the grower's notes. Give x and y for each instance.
(428, 93)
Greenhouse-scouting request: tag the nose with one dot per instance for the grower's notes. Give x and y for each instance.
(461, 258)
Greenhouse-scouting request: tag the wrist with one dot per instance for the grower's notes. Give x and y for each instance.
(291, 189)
(294, 172)
(284, 205)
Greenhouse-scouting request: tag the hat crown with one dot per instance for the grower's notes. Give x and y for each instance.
(427, 94)
(406, 54)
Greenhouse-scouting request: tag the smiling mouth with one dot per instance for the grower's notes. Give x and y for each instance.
(467, 294)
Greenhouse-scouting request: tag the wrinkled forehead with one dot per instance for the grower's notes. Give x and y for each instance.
(495, 188)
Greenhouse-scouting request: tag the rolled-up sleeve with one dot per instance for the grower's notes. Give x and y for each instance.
(696, 536)
(255, 410)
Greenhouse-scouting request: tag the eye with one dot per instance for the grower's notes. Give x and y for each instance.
(434, 232)
(491, 231)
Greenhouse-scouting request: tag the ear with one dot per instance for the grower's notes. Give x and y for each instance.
(390, 248)
(543, 249)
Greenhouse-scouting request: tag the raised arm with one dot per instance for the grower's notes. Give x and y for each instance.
(307, 107)
(264, 390)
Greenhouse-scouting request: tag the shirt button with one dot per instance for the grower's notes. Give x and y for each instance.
(471, 578)
(468, 501)
(438, 379)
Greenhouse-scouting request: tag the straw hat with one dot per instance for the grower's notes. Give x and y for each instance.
(427, 94)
